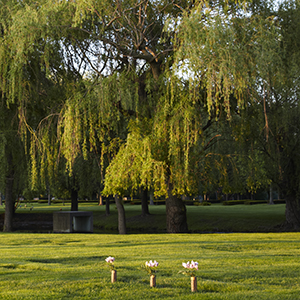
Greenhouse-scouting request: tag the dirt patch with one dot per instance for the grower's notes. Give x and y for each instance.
(33, 222)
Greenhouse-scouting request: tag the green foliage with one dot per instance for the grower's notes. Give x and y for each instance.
(13, 162)
(204, 203)
(234, 50)
(247, 202)
(2, 159)
(110, 87)
(147, 88)
(244, 56)
(251, 202)
(134, 166)
(233, 202)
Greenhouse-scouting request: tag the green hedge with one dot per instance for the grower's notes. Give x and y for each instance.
(163, 202)
(279, 201)
(204, 203)
(42, 201)
(251, 202)
(233, 202)
(139, 202)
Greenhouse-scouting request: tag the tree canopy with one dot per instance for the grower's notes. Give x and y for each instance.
(160, 92)
(251, 55)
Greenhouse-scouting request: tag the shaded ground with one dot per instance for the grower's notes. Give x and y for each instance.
(33, 222)
(211, 219)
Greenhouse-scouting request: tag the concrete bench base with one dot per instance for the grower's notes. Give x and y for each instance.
(72, 221)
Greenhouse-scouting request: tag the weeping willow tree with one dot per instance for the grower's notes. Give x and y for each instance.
(174, 153)
(13, 161)
(117, 53)
(32, 85)
(252, 54)
(111, 67)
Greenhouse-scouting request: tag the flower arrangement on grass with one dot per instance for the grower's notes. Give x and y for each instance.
(190, 268)
(110, 262)
(150, 267)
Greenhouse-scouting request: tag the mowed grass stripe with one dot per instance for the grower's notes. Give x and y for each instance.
(72, 266)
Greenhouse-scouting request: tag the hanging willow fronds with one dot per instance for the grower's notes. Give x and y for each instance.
(225, 51)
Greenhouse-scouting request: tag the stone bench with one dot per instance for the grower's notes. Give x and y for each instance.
(72, 221)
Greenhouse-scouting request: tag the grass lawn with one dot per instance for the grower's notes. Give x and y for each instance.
(72, 266)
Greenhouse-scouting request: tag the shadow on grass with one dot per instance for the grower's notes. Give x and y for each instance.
(67, 260)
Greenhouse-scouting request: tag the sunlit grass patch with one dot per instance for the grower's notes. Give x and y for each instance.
(72, 266)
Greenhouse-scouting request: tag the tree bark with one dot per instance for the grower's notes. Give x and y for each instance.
(156, 69)
(290, 188)
(9, 197)
(49, 195)
(121, 215)
(151, 197)
(100, 200)
(107, 209)
(74, 199)
(271, 201)
(175, 213)
(292, 212)
(144, 200)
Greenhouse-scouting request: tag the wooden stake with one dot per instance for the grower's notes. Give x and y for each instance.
(113, 276)
(194, 284)
(152, 280)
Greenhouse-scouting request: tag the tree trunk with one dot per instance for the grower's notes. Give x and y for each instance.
(156, 69)
(49, 195)
(151, 197)
(292, 212)
(9, 197)
(100, 200)
(121, 215)
(144, 200)
(74, 199)
(175, 213)
(1, 199)
(271, 201)
(107, 210)
(290, 188)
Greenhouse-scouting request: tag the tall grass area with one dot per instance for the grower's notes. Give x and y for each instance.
(72, 266)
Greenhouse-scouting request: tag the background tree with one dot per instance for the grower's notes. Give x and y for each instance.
(251, 53)
(13, 177)
(32, 83)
